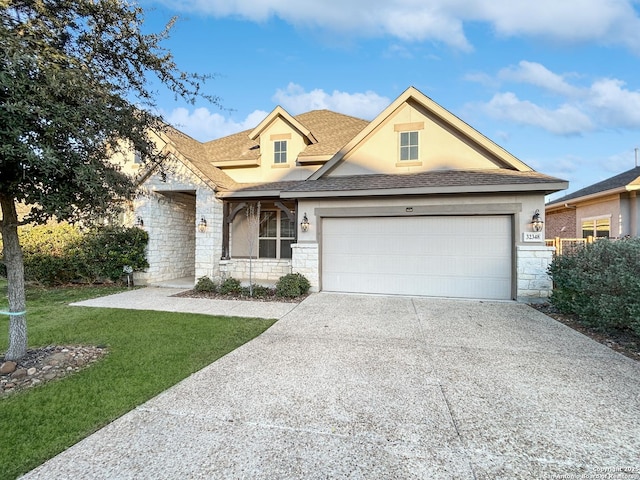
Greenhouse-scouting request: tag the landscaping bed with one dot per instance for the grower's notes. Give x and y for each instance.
(269, 296)
(624, 341)
(45, 364)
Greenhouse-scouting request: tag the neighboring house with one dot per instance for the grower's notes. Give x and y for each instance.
(415, 202)
(610, 208)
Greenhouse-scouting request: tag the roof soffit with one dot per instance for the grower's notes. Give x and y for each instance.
(442, 115)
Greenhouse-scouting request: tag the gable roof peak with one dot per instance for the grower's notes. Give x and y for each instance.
(444, 115)
(286, 116)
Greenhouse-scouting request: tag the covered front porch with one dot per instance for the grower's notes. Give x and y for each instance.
(257, 239)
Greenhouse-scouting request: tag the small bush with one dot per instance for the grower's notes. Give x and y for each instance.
(231, 286)
(260, 291)
(600, 283)
(292, 285)
(205, 284)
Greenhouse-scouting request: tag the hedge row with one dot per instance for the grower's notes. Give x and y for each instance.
(291, 285)
(600, 283)
(59, 254)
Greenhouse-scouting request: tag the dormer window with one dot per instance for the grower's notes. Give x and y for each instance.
(280, 151)
(409, 146)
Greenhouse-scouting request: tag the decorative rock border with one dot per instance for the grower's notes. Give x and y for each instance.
(45, 364)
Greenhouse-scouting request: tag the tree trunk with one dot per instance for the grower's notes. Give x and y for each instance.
(15, 277)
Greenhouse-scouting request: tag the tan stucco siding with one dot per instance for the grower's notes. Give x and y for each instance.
(439, 148)
(526, 204)
(605, 207)
(124, 156)
(268, 171)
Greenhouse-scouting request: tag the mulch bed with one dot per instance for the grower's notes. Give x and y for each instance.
(625, 342)
(269, 297)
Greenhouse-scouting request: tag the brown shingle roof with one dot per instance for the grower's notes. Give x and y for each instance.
(331, 130)
(437, 178)
(195, 153)
(233, 147)
(433, 179)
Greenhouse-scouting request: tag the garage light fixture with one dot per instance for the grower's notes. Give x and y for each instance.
(139, 222)
(304, 225)
(536, 222)
(202, 226)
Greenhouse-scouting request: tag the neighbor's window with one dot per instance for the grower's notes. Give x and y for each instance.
(280, 151)
(276, 235)
(409, 145)
(596, 227)
(137, 157)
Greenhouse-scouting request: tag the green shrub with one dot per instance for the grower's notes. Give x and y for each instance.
(61, 253)
(231, 286)
(259, 291)
(292, 285)
(49, 252)
(600, 283)
(104, 252)
(205, 284)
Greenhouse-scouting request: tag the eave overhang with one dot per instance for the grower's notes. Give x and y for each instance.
(457, 189)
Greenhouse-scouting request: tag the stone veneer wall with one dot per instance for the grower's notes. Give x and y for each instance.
(305, 261)
(172, 208)
(533, 282)
(208, 243)
(263, 270)
(171, 249)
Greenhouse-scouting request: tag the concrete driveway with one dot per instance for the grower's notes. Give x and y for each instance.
(364, 387)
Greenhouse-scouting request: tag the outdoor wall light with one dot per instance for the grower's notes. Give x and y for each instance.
(202, 226)
(139, 222)
(536, 222)
(304, 225)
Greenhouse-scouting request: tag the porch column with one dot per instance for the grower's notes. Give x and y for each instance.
(225, 231)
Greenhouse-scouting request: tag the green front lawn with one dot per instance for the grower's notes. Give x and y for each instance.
(148, 352)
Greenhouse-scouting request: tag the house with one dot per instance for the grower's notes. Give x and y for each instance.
(415, 202)
(610, 208)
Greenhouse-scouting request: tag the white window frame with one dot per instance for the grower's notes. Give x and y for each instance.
(278, 238)
(279, 153)
(409, 146)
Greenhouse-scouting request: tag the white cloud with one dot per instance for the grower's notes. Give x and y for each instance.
(296, 100)
(604, 104)
(602, 21)
(615, 105)
(538, 75)
(204, 125)
(564, 120)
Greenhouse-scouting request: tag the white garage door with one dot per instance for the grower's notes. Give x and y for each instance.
(453, 256)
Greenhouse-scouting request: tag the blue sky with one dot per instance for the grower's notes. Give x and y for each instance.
(556, 83)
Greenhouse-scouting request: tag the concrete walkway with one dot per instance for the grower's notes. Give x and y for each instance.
(162, 299)
(372, 387)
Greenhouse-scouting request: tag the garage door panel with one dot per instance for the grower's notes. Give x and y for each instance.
(467, 256)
